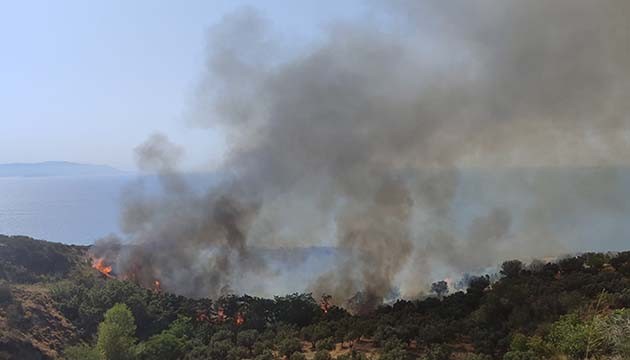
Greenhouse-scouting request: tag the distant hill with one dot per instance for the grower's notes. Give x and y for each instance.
(56, 168)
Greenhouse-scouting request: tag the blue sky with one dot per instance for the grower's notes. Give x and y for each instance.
(87, 81)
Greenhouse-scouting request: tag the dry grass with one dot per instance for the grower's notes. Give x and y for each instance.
(42, 326)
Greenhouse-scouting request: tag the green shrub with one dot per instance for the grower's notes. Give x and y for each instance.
(116, 334)
(81, 352)
(288, 346)
(297, 356)
(437, 352)
(616, 331)
(164, 346)
(265, 355)
(247, 338)
(573, 337)
(220, 349)
(521, 355)
(394, 349)
(325, 344)
(238, 353)
(477, 357)
(322, 355)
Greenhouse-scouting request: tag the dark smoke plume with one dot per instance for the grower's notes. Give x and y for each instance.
(359, 141)
(192, 244)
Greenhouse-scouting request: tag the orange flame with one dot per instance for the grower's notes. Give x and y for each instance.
(157, 286)
(201, 316)
(324, 303)
(240, 319)
(99, 264)
(221, 315)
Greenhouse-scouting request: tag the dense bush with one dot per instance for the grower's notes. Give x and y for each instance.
(82, 352)
(538, 311)
(322, 355)
(116, 334)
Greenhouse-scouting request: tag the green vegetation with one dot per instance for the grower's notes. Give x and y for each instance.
(25, 260)
(116, 334)
(574, 308)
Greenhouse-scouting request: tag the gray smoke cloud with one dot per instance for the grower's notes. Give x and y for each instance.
(192, 244)
(359, 141)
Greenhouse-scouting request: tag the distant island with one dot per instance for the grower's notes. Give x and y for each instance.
(56, 168)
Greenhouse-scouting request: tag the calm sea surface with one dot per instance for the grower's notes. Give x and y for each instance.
(75, 210)
(585, 209)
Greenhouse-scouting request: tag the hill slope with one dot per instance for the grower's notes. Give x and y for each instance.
(31, 327)
(51, 299)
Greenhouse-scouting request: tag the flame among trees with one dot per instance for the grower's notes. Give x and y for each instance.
(157, 286)
(99, 264)
(325, 303)
(598, 306)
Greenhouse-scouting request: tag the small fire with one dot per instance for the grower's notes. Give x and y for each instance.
(99, 264)
(201, 316)
(240, 319)
(219, 318)
(221, 315)
(157, 286)
(324, 303)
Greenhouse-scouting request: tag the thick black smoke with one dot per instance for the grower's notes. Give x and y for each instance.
(359, 139)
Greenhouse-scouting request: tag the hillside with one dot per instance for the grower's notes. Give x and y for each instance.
(31, 327)
(52, 302)
(55, 168)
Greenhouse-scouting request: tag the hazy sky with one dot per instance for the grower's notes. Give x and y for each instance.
(87, 81)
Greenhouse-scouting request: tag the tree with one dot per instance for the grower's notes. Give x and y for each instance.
(181, 328)
(116, 334)
(477, 357)
(520, 355)
(572, 337)
(478, 284)
(621, 262)
(295, 309)
(615, 328)
(394, 349)
(238, 353)
(321, 331)
(437, 352)
(524, 348)
(289, 345)
(164, 346)
(351, 336)
(440, 288)
(297, 356)
(81, 352)
(384, 333)
(325, 344)
(511, 268)
(220, 349)
(265, 355)
(247, 339)
(322, 355)
(222, 335)
(308, 334)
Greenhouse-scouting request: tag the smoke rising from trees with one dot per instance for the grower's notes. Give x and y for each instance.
(359, 139)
